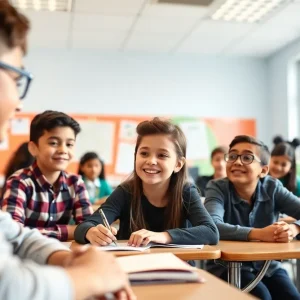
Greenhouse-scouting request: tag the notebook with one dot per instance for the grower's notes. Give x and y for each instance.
(158, 268)
(122, 246)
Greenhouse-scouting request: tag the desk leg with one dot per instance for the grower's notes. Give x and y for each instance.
(234, 273)
(258, 277)
(298, 274)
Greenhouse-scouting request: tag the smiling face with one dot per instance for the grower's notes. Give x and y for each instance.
(280, 166)
(219, 165)
(156, 160)
(54, 150)
(92, 169)
(240, 174)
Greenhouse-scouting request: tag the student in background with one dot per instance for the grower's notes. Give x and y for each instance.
(219, 165)
(23, 252)
(52, 140)
(283, 164)
(21, 159)
(92, 168)
(245, 207)
(156, 204)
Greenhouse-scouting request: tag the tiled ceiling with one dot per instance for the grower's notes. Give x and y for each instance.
(143, 25)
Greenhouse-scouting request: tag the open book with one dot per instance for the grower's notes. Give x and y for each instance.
(122, 246)
(158, 268)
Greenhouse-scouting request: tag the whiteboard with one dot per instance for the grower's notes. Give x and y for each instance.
(96, 136)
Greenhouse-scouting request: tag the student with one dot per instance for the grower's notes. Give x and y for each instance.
(219, 165)
(245, 207)
(52, 140)
(24, 251)
(91, 168)
(19, 160)
(283, 164)
(156, 204)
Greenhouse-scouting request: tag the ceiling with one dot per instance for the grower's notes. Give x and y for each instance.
(143, 25)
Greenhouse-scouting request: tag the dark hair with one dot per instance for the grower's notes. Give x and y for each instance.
(218, 150)
(19, 160)
(89, 156)
(283, 148)
(264, 153)
(49, 120)
(14, 26)
(178, 180)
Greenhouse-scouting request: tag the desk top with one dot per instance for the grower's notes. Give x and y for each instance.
(207, 252)
(253, 251)
(213, 288)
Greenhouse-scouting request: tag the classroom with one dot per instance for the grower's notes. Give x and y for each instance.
(160, 131)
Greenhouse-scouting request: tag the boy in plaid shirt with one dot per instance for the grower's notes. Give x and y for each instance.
(44, 196)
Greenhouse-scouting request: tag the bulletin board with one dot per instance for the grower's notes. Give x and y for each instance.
(113, 138)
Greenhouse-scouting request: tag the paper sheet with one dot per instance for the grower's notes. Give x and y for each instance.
(125, 158)
(20, 126)
(197, 141)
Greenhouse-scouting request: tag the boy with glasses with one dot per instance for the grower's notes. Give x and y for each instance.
(24, 251)
(245, 206)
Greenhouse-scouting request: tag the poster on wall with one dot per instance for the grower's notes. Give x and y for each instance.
(114, 138)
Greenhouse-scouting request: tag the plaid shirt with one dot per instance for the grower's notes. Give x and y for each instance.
(32, 201)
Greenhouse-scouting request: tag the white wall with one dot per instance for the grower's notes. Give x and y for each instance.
(87, 81)
(283, 86)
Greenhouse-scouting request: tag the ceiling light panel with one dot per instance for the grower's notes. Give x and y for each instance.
(248, 11)
(49, 5)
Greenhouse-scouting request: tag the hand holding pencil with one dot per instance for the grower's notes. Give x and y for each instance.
(102, 235)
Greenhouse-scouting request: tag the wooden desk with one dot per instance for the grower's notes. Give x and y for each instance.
(235, 252)
(252, 251)
(208, 252)
(213, 288)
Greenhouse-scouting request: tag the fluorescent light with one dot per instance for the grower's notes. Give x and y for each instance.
(246, 10)
(50, 5)
(36, 4)
(22, 4)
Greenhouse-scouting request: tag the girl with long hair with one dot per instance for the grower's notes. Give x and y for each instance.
(156, 204)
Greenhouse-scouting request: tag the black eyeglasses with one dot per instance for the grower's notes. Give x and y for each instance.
(23, 80)
(246, 159)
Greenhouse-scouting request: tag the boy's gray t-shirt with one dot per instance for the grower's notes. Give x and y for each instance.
(22, 252)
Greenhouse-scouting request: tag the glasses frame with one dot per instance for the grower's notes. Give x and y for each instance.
(21, 72)
(240, 156)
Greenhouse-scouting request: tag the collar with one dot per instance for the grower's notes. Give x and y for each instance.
(95, 182)
(44, 183)
(259, 195)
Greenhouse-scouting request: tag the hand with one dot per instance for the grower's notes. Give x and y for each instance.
(265, 234)
(101, 236)
(286, 232)
(103, 274)
(144, 237)
(74, 254)
(60, 258)
(71, 230)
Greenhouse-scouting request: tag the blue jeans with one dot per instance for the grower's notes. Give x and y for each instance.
(277, 287)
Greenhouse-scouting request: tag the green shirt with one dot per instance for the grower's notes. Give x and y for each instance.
(98, 189)
(297, 191)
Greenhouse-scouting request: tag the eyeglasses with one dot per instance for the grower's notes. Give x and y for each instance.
(246, 159)
(23, 80)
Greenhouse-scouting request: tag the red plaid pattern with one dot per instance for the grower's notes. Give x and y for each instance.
(33, 202)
